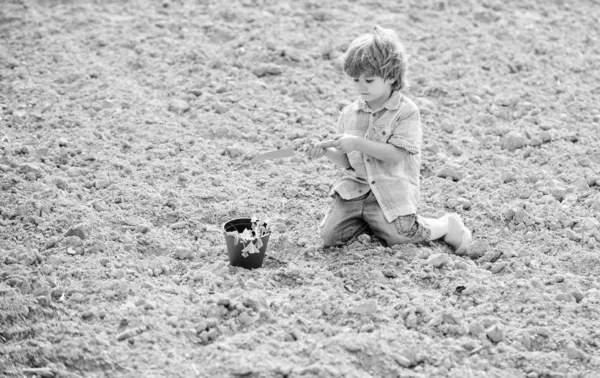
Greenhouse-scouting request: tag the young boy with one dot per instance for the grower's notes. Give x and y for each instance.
(379, 146)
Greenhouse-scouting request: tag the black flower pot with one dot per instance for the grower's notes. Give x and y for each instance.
(236, 256)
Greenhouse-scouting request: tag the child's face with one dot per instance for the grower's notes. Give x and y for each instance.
(373, 89)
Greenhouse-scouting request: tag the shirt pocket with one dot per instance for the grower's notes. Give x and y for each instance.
(381, 133)
(355, 159)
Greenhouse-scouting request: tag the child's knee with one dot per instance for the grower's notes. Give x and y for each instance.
(328, 241)
(328, 235)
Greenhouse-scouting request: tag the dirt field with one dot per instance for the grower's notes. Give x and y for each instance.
(126, 133)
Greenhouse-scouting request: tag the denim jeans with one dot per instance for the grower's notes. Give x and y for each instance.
(346, 219)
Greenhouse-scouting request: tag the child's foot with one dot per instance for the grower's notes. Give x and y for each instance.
(458, 236)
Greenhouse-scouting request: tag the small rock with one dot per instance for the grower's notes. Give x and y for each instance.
(411, 321)
(182, 253)
(499, 161)
(575, 353)
(571, 137)
(475, 328)
(495, 333)
(31, 168)
(448, 126)
(56, 293)
(507, 177)
(100, 206)
(559, 194)
(477, 249)
(389, 273)
(267, 69)
(118, 273)
(438, 260)
(178, 106)
(364, 238)
(558, 278)
(234, 151)
(97, 247)
(302, 242)
(498, 267)
(178, 225)
(51, 242)
(290, 336)
(451, 173)
(592, 180)
(492, 256)
(590, 223)
(578, 295)
(525, 193)
(173, 321)
(572, 235)
(226, 302)
(43, 300)
(76, 297)
(219, 107)
(458, 202)
(513, 141)
(366, 307)
(316, 313)
(27, 259)
(507, 99)
(402, 361)
(564, 297)
(140, 302)
(546, 136)
(581, 185)
(82, 231)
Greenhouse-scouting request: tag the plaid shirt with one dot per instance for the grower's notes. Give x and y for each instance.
(395, 185)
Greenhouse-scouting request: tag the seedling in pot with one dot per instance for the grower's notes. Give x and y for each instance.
(251, 238)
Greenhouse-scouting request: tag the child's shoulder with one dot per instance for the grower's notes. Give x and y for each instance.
(406, 102)
(407, 106)
(351, 109)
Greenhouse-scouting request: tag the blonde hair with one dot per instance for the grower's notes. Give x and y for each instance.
(379, 53)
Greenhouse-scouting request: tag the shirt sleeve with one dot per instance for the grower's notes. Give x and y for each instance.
(407, 133)
(340, 124)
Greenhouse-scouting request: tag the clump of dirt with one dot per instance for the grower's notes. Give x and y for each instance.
(127, 130)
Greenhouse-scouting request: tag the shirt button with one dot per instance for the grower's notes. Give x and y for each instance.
(373, 182)
(368, 160)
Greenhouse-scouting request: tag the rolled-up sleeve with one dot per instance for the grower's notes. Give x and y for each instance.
(407, 132)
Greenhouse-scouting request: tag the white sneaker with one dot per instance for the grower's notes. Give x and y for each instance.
(458, 236)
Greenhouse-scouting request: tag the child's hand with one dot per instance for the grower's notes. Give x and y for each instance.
(314, 150)
(345, 143)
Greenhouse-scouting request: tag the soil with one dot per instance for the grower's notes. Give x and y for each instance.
(126, 133)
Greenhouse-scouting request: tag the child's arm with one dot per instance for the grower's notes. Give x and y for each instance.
(381, 151)
(338, 158)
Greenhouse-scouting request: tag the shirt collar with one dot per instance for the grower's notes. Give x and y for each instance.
(392, 103)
